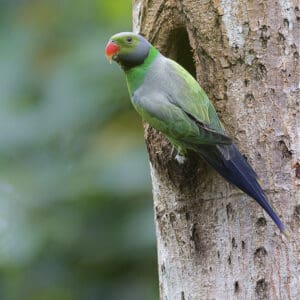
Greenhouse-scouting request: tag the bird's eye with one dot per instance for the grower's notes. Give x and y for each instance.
(129, 39)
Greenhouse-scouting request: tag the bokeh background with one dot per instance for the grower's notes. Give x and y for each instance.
(76, 218)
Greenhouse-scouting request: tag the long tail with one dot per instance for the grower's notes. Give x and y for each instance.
(228, 161)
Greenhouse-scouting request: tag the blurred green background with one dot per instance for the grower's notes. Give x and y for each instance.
(76, 219)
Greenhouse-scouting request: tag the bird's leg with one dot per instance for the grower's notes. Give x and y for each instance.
(172, 151)
(180, 152)
(180, 156)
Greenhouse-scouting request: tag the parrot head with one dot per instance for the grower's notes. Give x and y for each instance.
(127, 49)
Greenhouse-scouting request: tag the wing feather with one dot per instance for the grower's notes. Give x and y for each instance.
(161, 112)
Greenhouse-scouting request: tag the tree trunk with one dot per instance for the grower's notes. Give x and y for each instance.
(213, 241)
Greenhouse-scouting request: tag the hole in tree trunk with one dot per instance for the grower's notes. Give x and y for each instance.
(180, 50)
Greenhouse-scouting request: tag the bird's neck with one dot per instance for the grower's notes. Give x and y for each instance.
(135, 76)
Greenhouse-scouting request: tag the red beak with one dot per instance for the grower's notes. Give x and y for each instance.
(111, 49)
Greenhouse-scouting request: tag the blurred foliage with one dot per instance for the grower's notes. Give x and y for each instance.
(75, 202)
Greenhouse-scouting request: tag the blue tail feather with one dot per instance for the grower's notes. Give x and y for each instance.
(228, 162)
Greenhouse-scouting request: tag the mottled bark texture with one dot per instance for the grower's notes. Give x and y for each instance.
(213, 241)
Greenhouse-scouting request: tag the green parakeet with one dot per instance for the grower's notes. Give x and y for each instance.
(171, 100)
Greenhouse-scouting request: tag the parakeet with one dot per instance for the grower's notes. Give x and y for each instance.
(171, 100)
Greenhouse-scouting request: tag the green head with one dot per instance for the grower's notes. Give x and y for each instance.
(127, 49)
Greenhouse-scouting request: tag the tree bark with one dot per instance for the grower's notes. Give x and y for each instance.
(213, 241)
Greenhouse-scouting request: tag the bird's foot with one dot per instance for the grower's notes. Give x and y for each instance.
(180, 158)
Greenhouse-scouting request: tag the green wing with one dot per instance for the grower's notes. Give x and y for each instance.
(192, 98)
(162, 113)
